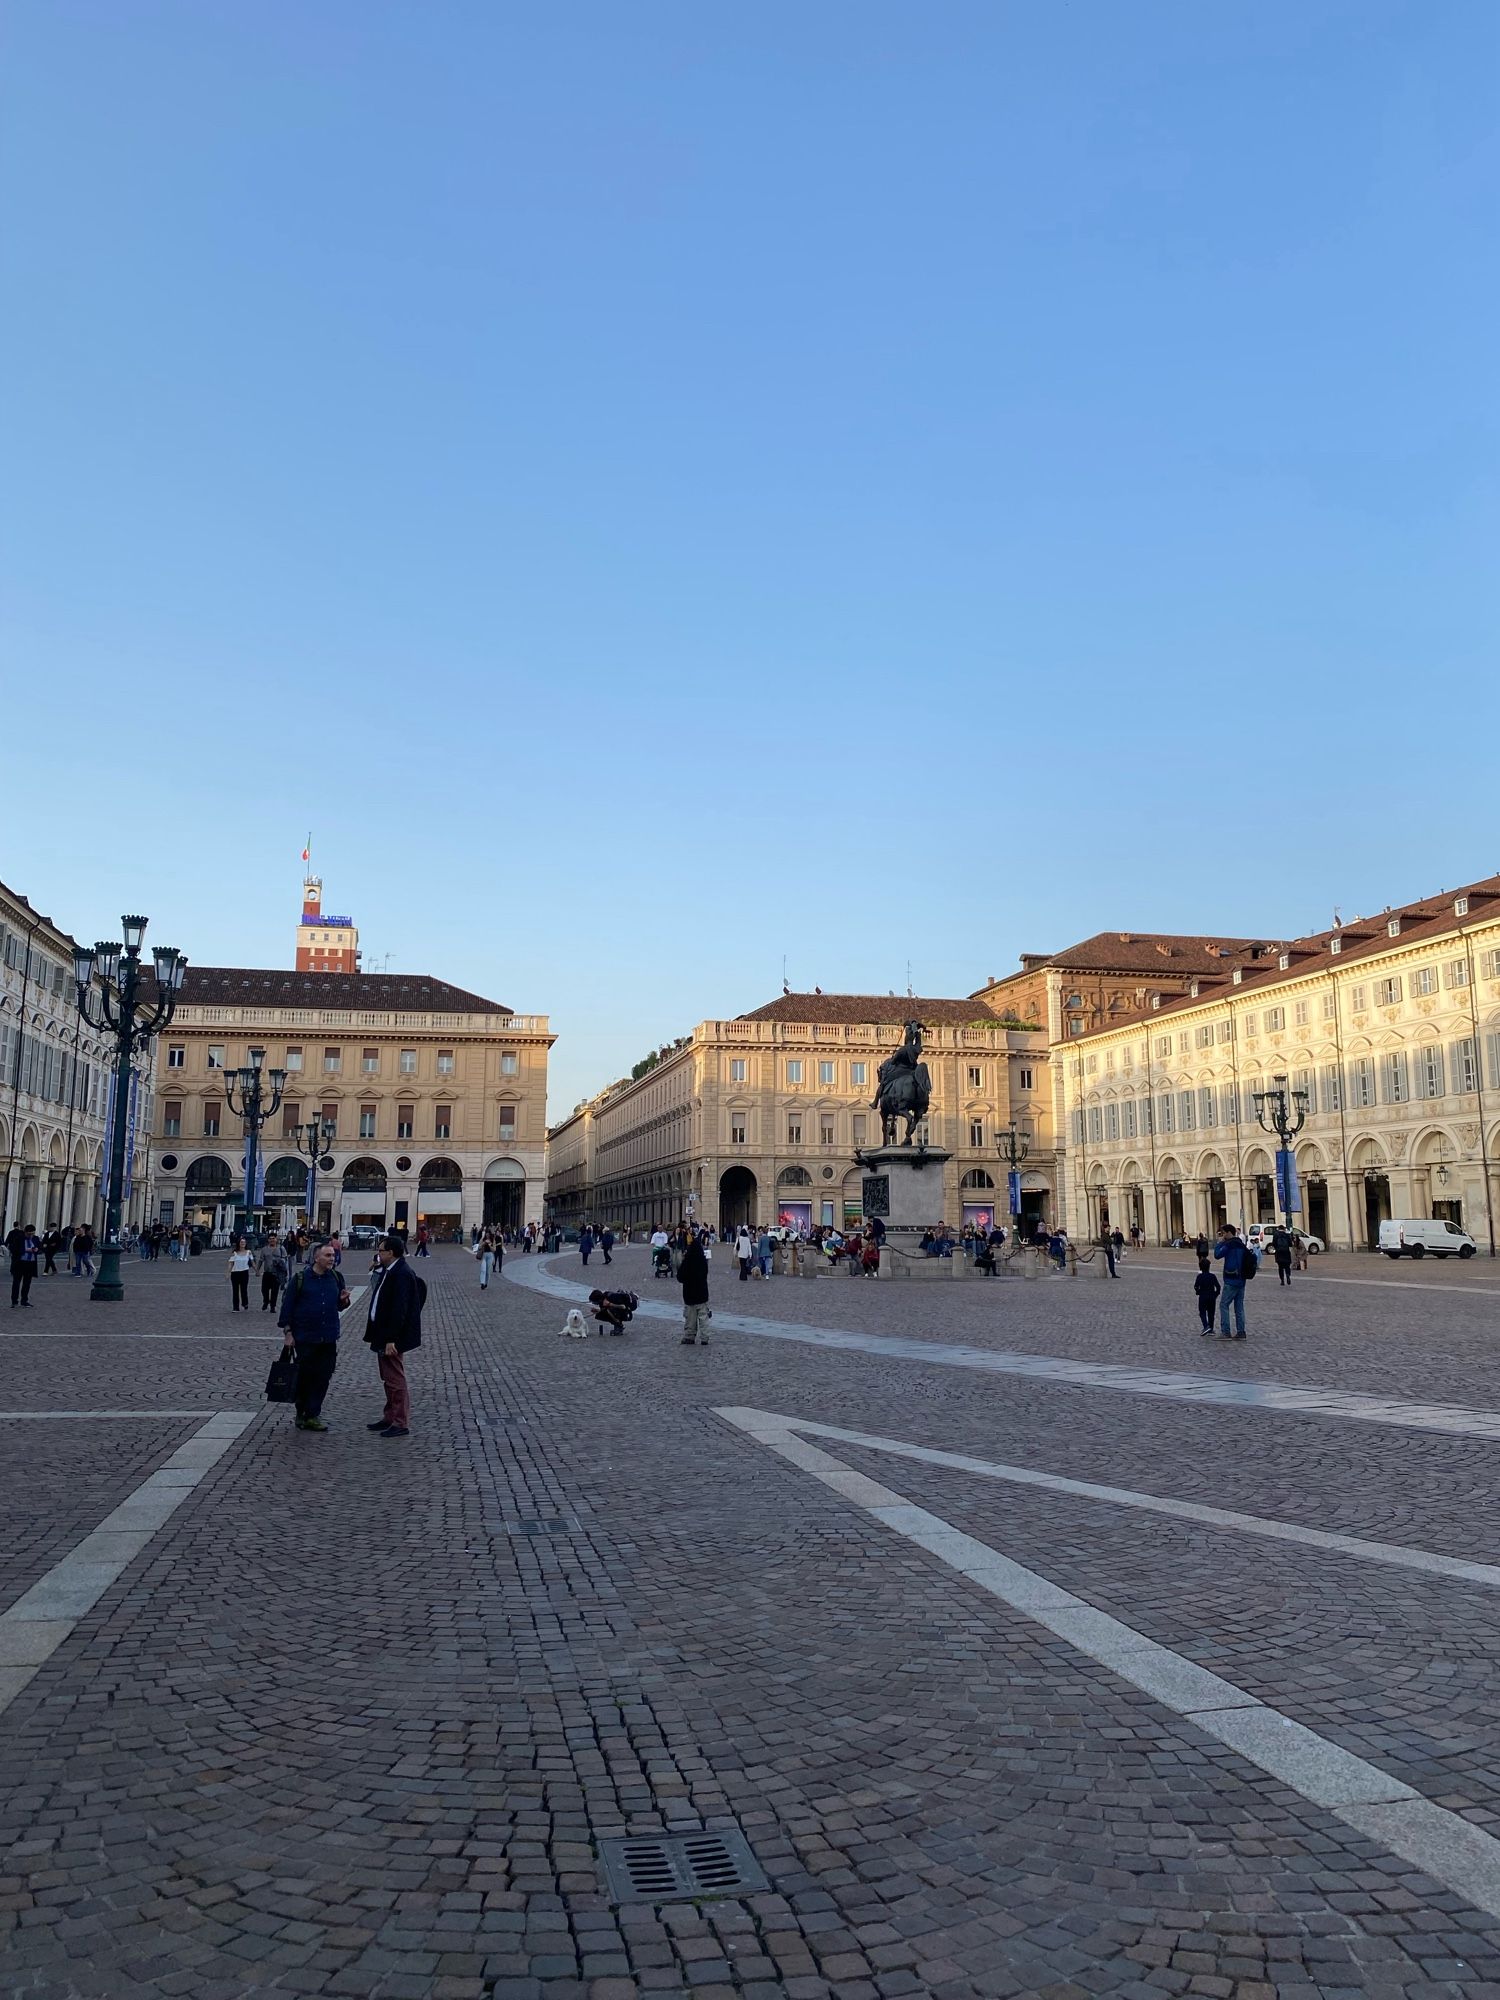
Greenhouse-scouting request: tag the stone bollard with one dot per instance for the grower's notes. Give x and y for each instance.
(1030, 1267)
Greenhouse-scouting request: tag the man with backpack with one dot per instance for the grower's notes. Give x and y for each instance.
(393, 1327)
(1239, 1262)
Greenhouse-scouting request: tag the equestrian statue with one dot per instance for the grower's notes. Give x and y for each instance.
(903, 1088)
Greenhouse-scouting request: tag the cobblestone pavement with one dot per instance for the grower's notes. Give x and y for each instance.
(357, 1717)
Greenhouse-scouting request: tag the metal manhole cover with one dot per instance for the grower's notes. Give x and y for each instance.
(537, 1524)
(656, 1869)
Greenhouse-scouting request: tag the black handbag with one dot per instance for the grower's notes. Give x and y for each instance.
(281, 1383)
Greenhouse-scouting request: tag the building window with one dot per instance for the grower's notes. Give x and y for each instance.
(1430, 1071)
(738, 1069)
(406, 1118)
(291, 1118)
(1164, 1045)
(1225, 1031)
(1456, 972)
(294, 1059)
(1299, 1014)
(1465, 1065)
(1096, 1123)
(507, 1121)
(825, 1073)
(1252, 1025)
(1361, 1082)
(1023, 1080)
(1359, 998)
(1491, 964)
(794, 1129)
(1229, 1097)
(825, 1131)
(408, 1062)
(369, 1061)
(1331, 1097)
(976, 1077)
(442, 1122)
(171, 1121)
(1206, 1105)
(737, 1129)
(330, 1117)
(1184, 1111)
(1388, 993)
(1275, 1020)
(1204, 1036)
(367, 1121)
(794, 1070)
(508, 1063)
(976, 1131)
(1395, 1087)
(176, 1056)
(858, 1075)
(333, 1061)
(445, 1062)
(211, 1114)
(1164, 1120)
(1111, 1121)
(216, 1056)
(1127, 1117)
(859, 1128)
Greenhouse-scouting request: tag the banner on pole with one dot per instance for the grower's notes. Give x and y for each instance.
(130, 1122)
(1013, 1179)
(1288, 1194)
(258, 1192)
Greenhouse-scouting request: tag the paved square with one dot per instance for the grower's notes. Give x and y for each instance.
(1018, 1679)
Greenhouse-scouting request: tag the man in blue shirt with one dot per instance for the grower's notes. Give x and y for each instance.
(309, 1320)
(1235, 1256)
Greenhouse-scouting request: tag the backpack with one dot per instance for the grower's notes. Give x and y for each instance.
(1249, 1264)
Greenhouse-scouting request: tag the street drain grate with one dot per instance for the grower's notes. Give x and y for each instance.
(655, 1869)
(537, 1524)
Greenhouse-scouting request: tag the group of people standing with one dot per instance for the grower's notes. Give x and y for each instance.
(31, 1253)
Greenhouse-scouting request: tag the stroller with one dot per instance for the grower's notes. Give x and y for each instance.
(661, 1261)
(613, 1310)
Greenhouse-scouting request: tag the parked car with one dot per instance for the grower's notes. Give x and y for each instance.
(1259, 1235)
(363, 1235)
(1415, 1236)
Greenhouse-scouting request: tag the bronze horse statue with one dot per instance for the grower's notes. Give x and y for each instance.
(903, 1088)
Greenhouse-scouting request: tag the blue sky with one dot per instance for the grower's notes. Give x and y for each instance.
(659, 488)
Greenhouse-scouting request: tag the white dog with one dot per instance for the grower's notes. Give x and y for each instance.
(575, 1327)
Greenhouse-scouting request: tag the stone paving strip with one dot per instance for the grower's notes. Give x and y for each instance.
(40, 1619)
(1451, 1418)
(1450, 1849)
(1395, 1553)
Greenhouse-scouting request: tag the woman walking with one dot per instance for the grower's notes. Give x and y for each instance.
(744, 1250)
(240, 1261)
(485, 1252)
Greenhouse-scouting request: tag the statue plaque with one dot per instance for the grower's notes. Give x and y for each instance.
(877, 1195)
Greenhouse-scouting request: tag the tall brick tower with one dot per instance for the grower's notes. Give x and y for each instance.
(324, 943)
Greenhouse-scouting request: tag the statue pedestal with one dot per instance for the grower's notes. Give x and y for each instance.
(903, 1185)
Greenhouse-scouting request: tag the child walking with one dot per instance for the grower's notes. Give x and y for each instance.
(1207, 1286)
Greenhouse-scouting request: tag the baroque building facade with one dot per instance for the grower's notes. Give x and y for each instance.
(757, 1119)
(56, 1075)
(438, 1098)
(1390, 1025)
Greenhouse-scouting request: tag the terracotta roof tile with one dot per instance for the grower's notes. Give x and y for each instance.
(249, 986)
(876, 1009)
(1145, 952)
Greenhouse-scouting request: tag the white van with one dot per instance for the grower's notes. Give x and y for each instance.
(1414, 1237)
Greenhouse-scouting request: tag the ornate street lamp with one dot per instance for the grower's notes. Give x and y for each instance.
(1014, 1146)
(118, 969)
(1283, 1113)
(259, 1099)
(313, 1141)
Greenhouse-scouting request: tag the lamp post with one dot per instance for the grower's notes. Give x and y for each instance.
(260, 1096)
(1284, 1113)
(313, 1140)
(1014, 1146)
(120, 1001)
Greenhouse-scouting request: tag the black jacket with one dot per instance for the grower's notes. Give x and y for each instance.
(397, 1311)
(692, 1275)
